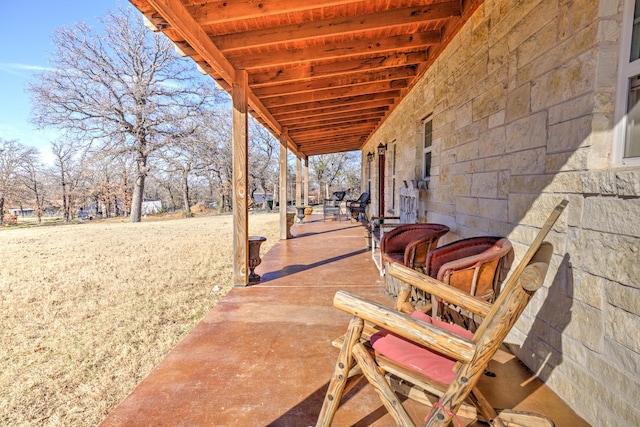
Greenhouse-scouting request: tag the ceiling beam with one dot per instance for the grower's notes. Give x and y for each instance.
(354, 141)
(327, 94)
(308, 71)
(333, 150)
(335, 82)
(342, 115)
(380, 104)
(334, 146)
(224, 11)
(354, 121)
(302, 136)
(359, 99)
(343, 25)
(406, 42)
(348, 144)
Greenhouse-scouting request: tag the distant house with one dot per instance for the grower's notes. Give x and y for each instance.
(151, 207)
(261, 197)
(24, 212)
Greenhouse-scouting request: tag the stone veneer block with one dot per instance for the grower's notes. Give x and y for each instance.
(628, 183)
(612, 215)
(527, 133)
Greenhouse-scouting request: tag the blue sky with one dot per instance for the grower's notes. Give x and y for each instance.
(25, 31)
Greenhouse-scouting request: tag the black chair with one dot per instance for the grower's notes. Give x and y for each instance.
(358, 207)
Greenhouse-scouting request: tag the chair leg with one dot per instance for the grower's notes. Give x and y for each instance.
(340, 373)
(460, 389)
(381, 386)
(484, 408)
(354, 377)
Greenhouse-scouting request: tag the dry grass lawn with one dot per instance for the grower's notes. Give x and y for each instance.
(89, 309)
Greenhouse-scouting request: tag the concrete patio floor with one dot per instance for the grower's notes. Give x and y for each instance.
(263, 355)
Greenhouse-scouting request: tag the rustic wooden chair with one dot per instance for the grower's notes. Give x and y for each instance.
(410, 244)
(431, 355)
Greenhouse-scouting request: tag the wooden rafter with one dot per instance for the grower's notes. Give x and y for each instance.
(359, 101)
(307, 71)
(330, 94)
(340, 50)
(216, 12)
(338, 111)
(345, 80)
(337, 26)
(299, 123)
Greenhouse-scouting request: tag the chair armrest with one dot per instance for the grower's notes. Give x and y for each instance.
(439, 289)
(415, 330)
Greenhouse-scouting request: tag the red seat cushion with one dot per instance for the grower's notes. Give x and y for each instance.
(417, 357)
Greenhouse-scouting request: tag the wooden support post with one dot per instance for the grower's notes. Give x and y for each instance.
(306, 181)
(240, 180)
(299, 182)
(283, 185)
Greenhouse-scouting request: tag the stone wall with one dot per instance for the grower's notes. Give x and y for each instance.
(522, 105)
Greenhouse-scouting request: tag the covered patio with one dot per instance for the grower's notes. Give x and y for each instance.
(263, 355)
(492, 112)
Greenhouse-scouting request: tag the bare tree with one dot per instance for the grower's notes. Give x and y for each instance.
(217, 154)
(331, 168)
(165, 185)
(64, 163)
(104, 182)
(125, 90)
(32, 177)
(72, 173)
(263, 163)
(13, 157)
(186, 156)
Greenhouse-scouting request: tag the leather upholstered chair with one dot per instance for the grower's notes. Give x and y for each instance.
(409, 244)
(476, 265)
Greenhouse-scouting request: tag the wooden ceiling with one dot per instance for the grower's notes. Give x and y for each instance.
(324, 72)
